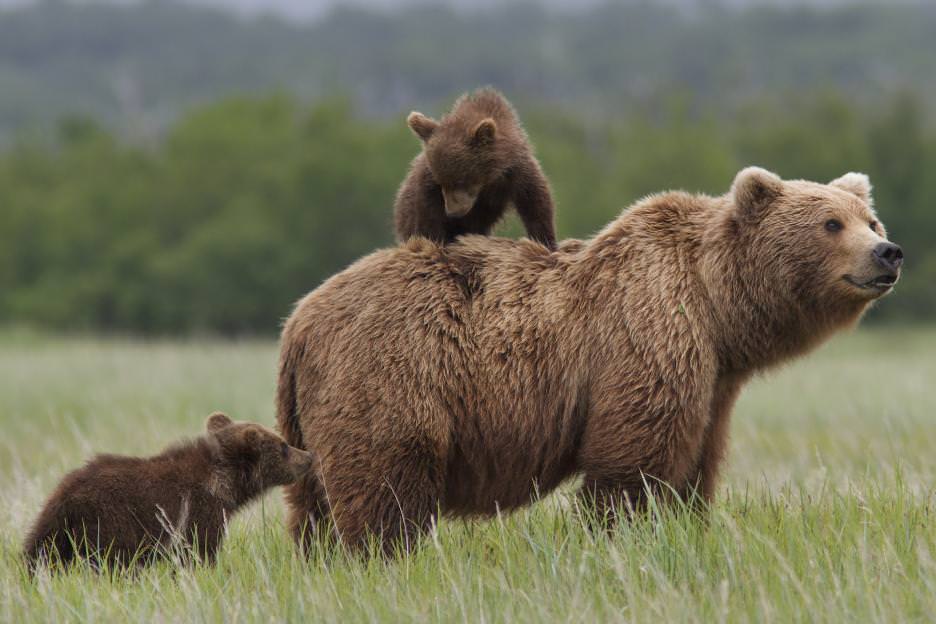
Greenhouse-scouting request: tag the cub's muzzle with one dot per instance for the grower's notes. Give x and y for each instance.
(458, 203)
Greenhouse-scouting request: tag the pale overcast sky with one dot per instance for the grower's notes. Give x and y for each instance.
(306, 9)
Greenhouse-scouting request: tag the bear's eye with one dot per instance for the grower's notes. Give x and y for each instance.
(873, 225)
(833, 225)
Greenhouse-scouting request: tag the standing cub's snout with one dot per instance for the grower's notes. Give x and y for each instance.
(299, 462)
(457, 202)
(888, 256)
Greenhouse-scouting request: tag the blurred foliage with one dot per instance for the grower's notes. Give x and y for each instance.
(137, 65)
(249, 203)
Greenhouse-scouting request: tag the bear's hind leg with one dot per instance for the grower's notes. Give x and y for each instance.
(308, 520)
(393, 495)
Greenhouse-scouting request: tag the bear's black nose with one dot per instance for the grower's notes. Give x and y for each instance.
(888, 255)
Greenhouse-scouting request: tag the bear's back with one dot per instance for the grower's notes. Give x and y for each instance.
(424, 287)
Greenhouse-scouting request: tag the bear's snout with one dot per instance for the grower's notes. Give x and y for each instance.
(888, 256)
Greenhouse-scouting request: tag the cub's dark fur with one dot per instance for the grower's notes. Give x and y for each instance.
(475, 162)
(130, 509)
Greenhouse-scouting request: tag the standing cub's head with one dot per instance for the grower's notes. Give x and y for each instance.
(472, 146)
(252, 458)
(818, 246)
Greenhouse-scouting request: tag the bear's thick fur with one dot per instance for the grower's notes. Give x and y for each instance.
(475, 162)
(465, 378)
(133, 509)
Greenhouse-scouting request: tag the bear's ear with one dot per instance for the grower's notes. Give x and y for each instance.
(421, 125)
(217, 422)
(857, 184)
(754, 190)
(484, 132)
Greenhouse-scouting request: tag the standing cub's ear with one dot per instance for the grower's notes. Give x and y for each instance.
(484, 132)
(420, 124)
(216, 422)
(857, 184)
(251, 437)
(754, 189)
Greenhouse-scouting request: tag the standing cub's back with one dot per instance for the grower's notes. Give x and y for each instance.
(130, 509)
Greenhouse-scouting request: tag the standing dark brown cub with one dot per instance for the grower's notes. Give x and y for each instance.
(475, 162)
(131, 509)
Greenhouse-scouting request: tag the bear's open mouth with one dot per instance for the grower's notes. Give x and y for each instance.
(881, 282)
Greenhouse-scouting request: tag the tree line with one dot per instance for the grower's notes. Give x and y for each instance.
(246, 204)
(136, 65)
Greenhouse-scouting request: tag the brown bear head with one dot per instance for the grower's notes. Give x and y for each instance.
(252, 457)
(819, 248)
(464, 153)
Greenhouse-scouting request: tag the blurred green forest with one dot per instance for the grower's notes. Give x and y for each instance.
(251, 202)
(170, 170)
(136, 66)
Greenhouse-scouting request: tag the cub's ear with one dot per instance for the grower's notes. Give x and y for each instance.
(754, 190)
(857, 184)
(251, 437)
(421, 125)
(485, 132)
(216, 422)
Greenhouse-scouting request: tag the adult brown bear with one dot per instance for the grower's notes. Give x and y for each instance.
(462, 378)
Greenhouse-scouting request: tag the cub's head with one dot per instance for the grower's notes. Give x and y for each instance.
(818, 245)
(252, 457)
(464, 154)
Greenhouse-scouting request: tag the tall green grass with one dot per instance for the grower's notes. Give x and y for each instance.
(826, 512)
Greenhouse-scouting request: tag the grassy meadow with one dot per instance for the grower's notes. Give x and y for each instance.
(826, 512)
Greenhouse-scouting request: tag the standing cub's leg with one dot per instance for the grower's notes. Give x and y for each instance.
(533, 201)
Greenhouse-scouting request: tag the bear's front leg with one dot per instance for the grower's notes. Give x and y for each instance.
(603, 500)
(702, 484)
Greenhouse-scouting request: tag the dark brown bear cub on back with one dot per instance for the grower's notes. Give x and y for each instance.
(131, 509)
(475, 162)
